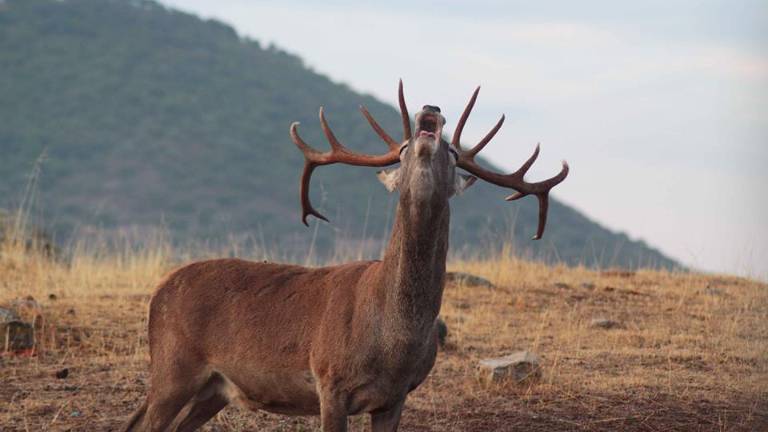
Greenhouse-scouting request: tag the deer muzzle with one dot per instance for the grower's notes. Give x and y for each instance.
(428, 131)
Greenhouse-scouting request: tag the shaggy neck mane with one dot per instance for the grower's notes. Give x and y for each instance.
(413, 267)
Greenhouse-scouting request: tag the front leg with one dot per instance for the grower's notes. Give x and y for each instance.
(387, 421)
(333, 413)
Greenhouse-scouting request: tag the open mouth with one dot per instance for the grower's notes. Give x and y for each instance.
(428, 126)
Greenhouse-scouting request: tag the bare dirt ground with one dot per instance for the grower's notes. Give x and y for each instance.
(691, 352)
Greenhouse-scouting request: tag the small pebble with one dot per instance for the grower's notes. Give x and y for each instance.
(605, 323)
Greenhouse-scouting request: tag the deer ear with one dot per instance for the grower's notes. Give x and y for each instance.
(463, 182)
(389, 178)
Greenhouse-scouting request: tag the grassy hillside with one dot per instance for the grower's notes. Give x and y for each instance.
(690, 352)
(151, 118)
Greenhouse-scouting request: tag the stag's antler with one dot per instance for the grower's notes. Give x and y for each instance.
(340, 154)
(514, 180)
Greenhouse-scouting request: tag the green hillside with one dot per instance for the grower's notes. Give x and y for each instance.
(150, 117)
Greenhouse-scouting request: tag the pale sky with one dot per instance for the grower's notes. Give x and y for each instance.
(660, 107)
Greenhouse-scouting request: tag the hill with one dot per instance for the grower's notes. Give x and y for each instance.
(150, 117)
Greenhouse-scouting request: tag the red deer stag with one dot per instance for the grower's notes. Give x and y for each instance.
(334, 341)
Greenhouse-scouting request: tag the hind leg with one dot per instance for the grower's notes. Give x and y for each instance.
(201, 412)
(204, 405)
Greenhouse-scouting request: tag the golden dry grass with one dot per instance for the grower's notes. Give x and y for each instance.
(692, 353)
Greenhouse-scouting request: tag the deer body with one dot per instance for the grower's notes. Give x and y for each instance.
(334, 341)
(294, 341)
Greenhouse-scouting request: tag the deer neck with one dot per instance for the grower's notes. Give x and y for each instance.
(413, 267)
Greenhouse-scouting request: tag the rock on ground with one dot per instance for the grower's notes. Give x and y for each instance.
(15, 334)
(605, 323)
(520, 366)
(467, 279)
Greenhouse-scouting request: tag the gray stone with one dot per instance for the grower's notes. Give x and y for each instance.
(605, 323)
(8, 315)
(16, 336)
(467, 279)
(519, 367)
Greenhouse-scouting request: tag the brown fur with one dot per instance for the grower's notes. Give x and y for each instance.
(334, 341)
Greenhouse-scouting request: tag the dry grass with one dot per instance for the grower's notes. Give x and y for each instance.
(692, 353)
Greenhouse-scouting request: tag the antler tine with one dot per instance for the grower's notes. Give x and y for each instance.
(523, 170)
(456, 141)
(487, 138)
(303, 146)
(306, 205)
(338, 154)
(336, 146)
(379, 130)
(543, 210)
(404, 112)
(543, 197)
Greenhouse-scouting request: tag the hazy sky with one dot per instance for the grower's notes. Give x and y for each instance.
(660, 107)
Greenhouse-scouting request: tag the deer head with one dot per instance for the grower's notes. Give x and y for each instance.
(428, 163)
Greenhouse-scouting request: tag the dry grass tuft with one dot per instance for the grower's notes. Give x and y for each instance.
(691, 353)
